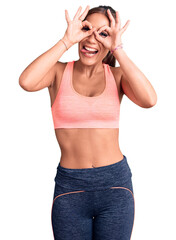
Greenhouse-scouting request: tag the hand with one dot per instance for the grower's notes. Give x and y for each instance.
(74, 31)
(114, 32)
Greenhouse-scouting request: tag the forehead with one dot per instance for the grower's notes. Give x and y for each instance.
(98, 20)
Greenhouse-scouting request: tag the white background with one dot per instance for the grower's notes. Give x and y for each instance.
(29, 149)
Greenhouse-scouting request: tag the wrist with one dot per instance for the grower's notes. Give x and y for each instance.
(67, 42)
(119, 54)
(116, 47)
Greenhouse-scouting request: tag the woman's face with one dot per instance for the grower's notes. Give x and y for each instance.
(97, 20)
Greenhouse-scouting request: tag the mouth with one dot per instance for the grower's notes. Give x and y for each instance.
(87, 51)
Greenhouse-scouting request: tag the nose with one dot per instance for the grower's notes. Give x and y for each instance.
(92, 37)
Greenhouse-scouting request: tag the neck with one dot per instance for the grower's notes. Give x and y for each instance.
(88, 70)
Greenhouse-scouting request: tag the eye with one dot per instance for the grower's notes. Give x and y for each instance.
(104, 34)
(85, 28)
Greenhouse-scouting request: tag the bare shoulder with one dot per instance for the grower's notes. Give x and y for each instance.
(54, 87)
(117, 72)
(60, 66)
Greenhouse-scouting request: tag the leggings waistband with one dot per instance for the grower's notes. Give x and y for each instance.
(91, 179)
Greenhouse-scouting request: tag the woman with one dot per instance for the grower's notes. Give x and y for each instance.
(93, 196)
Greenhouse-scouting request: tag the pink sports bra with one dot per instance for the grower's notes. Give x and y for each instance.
(73, 110)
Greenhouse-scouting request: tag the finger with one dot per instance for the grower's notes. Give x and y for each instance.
(67, 16)
(86, 23)
(77, 13)
(98, 37)
(112, 24)
(103, 28)
(90, 31)
(83, 15)
(118, 22)
(125, 26)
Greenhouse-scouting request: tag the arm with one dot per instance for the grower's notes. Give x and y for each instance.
(134, 83)
(42, 71)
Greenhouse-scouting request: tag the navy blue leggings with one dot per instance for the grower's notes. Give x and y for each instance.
(93, 203)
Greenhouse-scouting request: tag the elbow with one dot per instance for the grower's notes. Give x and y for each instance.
(153, 99)
(152, 102)
(23, 84)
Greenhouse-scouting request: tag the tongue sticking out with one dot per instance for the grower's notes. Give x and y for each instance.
(86, 51)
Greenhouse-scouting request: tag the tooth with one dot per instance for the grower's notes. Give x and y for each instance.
(90, 49)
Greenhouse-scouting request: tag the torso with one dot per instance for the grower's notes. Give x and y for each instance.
(87, 147)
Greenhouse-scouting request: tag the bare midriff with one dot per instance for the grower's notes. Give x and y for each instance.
(88, 147)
